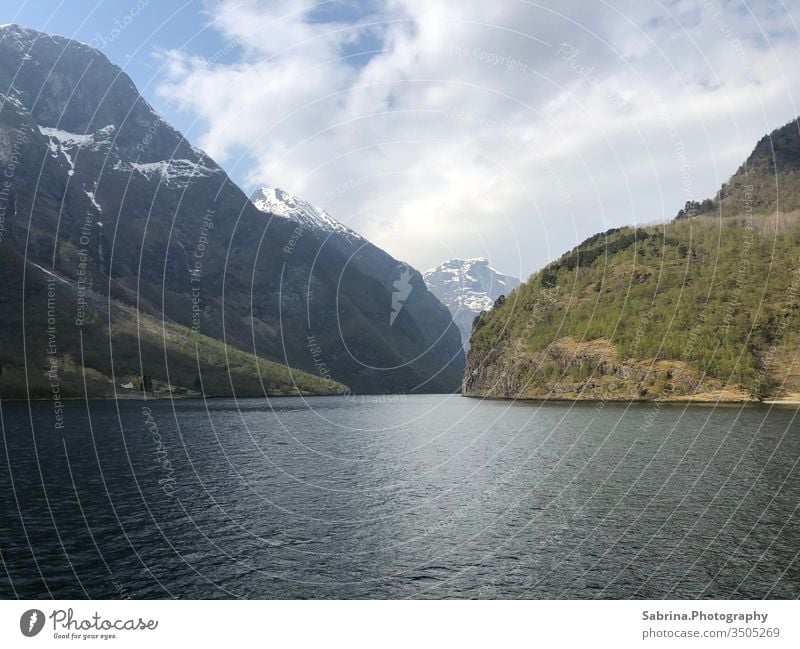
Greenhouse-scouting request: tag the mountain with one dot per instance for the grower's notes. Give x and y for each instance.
(702, 308)
(467, 287)
(273, 200)
(768, 180)
(414, 323)
(102, 193)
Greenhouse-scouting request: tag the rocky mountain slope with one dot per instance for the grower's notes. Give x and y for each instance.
(768, 180)
(467, 287)
(411, 303)
(703, 308)
(102, 192)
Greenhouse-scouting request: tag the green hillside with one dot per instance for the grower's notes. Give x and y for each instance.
(39, 322)
(703, 307)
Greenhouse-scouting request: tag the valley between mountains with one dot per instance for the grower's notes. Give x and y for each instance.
(131, 260)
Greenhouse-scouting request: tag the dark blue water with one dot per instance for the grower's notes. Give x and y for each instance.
(417, 497)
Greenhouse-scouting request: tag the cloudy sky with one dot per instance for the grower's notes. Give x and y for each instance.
(507, 129)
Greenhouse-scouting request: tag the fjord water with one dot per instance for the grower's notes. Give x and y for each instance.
(425, 496)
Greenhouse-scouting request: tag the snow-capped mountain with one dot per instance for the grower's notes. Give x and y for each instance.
(409, 300)
(467, 287)
(275, 200)
(91, 167)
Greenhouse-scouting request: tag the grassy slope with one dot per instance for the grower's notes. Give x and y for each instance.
(140, 344)
(708, 305)
(698, 305)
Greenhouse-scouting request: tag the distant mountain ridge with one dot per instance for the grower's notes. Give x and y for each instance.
(467, 287)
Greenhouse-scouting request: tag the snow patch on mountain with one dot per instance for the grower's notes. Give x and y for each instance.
(274, 200)
(68, 144)
(175, 172)
(65, 138)
(91, 197)
(12, 97)
(467, 287)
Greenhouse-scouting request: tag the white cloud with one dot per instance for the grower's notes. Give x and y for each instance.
(501, 129)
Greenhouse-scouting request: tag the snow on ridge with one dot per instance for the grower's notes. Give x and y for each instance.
(13, 99)
(64, 142)
(467, 287)
(274, 200)
(458, 265)
(470, 284)
(67, 144)
(26, 36)
(66, 138)
(176, 172)
(77, 139)
(93, 199)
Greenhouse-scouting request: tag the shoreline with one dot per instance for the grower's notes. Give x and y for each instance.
(638, 400)
(167, 398)
(135, 397)
(557, 400)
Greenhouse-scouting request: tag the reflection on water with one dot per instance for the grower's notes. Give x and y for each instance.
(428, 496)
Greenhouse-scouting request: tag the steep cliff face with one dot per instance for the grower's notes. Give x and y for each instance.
(101, 191)
(573, 370)
(417, 329)
(700, 308)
